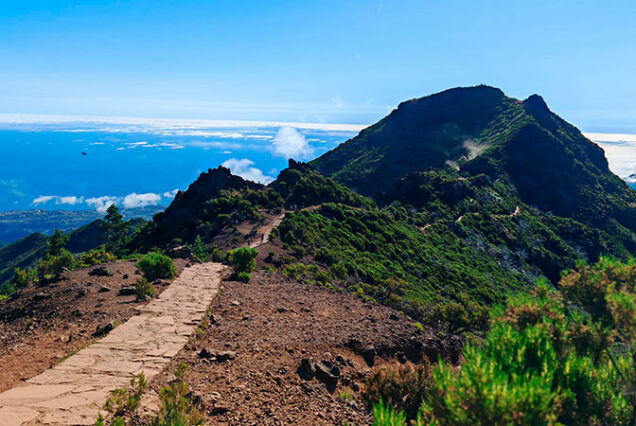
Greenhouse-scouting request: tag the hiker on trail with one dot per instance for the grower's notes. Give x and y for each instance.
(262, 238)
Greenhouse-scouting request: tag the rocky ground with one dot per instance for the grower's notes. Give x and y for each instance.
(47, 323)
(280, 352)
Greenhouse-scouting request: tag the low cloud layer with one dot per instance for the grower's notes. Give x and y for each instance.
(620, 150)
(101, 204)
(290, 143)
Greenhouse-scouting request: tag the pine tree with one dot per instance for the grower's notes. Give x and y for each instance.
(115, 229)
(56, 243)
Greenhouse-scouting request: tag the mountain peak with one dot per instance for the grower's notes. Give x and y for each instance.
(535, 103)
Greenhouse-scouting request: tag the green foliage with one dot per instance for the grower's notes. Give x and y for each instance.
(115, 229)
(384, 255)
(242, 259)
(95, 257)
(52, 266)
(199, 249)
(544, 362)
(156, 265)
(386, 415)
(125, 401)
(177, 409)
(399, 387)
(218, 255)
(23, 278)
(243, 277)
(143, 288)
(56, 243)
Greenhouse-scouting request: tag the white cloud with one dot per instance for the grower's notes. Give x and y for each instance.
(141, 200)
(70, 200)
(290, 143)
(171, 194)
(101, 204)
(244, 169)
(43, 199)
(132, 145)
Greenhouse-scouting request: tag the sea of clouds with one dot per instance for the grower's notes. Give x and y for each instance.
(279, 139)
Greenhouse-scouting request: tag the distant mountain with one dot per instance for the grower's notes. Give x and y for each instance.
(469, 131)
(15, 225)
(27, 251)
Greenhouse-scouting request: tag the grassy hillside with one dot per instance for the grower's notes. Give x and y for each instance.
(26, 252)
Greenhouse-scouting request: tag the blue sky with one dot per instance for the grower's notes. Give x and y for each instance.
(322, 61)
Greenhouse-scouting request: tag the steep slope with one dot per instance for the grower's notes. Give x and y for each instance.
(26, 252)
(21, 254)
(475, 130)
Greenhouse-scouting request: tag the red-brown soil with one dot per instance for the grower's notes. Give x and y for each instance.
(43, 324)
(272, 324)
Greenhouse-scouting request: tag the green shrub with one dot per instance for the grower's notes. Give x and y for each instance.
(156, 265)
(386, 415)
(242, 259)
(540, 364)
(243, 277)
(126, 401)
(23, 277)
(400, 387)
(143, 288)
(96, 257)
(177, 409)
(218, 255)
(53, 266)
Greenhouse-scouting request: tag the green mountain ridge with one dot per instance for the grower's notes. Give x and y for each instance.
(25, 252)
(474, 130)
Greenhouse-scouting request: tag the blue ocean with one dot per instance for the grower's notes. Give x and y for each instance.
(71, 166)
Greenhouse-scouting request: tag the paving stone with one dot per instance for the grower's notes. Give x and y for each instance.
(72, 392)
(10, 416)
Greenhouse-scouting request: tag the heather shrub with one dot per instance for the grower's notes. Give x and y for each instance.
(53, 265)
(156, 265)
(242, 259)
(143, 288)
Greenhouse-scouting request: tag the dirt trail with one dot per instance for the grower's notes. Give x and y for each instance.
(72, 392)
(262, 234)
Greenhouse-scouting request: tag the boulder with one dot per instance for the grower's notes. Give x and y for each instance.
(100, 271)
(127, 290)
(328, 373)
(180, 252)
(307, 369)
(369, 354)
(103, 330)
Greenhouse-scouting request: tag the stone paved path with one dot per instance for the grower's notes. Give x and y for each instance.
(72, 392)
